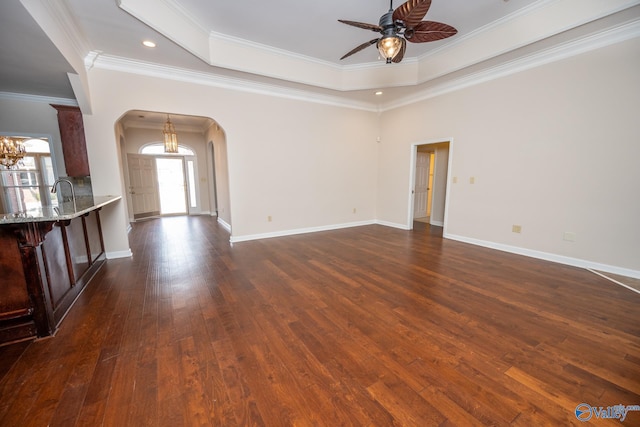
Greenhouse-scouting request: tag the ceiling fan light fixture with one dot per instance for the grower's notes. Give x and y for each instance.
(400, 25)
(389, 47)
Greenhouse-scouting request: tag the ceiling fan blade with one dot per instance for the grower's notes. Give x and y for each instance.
(363, 25)
(400, 54)
(429, 31)
(359, 48)
(411, 12)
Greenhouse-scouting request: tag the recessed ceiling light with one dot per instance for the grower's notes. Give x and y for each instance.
(379, 93)
(149, 43)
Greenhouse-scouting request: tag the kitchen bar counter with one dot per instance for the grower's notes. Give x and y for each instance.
(48, 254)
(57, 212)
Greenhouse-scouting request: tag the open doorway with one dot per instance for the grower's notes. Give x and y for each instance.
(183, 181)
(430, 163)
(171, 186)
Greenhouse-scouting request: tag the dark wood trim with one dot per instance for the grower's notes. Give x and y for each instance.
(15, 314)
(97, 211)
(67, 252)
(87, 246)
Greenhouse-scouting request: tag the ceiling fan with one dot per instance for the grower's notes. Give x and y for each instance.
(402, 25)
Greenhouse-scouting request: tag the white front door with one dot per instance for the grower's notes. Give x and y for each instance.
(142, 186)
(421, 188)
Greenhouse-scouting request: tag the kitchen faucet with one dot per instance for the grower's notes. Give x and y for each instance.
(73, 192)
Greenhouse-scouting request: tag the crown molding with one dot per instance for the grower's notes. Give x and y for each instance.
(622, 32)
(114, 63)
(519, 29)
(10, 96)
(558, 52)
(540, 20)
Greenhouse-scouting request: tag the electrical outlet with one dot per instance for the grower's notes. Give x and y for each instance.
(269, 218)
(354, 210)
(569, 236)
(455, 180)
(516, 228)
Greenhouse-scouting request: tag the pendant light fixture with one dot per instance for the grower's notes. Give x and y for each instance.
(170, 137)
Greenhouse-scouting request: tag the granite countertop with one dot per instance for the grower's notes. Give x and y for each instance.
(58, 212)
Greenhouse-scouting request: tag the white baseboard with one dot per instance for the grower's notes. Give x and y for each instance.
(561, 259)
(283, 233)
(437, 223)
(392, 224)
(120, 254)
(224, 224)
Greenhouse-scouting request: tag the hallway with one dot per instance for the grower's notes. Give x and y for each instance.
(361, 326)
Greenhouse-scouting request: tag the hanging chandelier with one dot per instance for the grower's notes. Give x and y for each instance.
(11, 151)
(170, 137)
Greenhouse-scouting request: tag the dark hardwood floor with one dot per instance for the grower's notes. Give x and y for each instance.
(362, 326)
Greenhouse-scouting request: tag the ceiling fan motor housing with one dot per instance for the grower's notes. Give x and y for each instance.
(387, 24)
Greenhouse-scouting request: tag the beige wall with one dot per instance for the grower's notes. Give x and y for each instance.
(554, 149)
(34, 117)
(217, 149)
(304, 164)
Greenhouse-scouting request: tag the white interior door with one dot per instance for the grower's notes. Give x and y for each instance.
(142, 186)
(421, 189)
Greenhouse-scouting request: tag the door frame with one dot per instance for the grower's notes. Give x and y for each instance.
(185, 190)
(412, 178)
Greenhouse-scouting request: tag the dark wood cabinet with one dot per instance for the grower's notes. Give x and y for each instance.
(43, 268)
(74, 147)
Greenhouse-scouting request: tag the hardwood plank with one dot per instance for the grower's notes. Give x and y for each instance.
(362, 326)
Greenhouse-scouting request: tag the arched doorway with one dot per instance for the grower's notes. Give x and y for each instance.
(160, 183)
